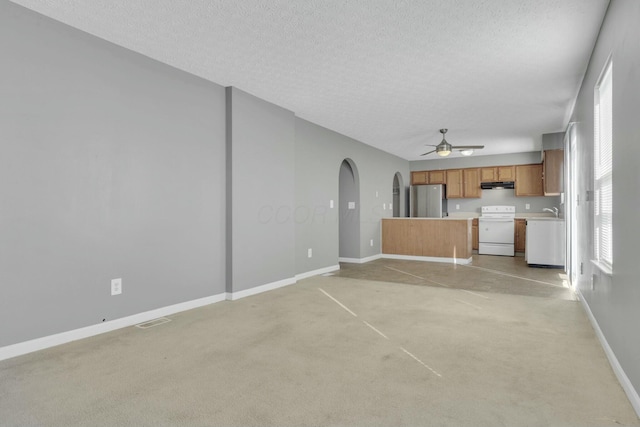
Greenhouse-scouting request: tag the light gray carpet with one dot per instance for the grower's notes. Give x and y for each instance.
(332, 351)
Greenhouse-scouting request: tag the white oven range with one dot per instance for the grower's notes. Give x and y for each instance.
(496, 228)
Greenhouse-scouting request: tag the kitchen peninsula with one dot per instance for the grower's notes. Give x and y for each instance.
(427, 239)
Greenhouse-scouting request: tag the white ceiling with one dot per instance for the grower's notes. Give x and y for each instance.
(389, 73)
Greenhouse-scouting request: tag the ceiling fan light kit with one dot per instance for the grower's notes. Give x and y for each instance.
(444, 148)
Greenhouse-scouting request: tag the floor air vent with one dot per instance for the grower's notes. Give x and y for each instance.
(152, 323)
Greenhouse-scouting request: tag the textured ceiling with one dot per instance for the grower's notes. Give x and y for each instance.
(389, 73)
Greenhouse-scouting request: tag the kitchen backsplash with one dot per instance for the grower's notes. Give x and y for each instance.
(504, 197)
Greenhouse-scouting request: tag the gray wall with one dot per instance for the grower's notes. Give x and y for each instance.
(319, 153)
(112, 166)
(614, 300)
(492, 197)
(477, 161)
(261, 141)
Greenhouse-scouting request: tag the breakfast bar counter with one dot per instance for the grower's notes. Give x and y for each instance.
(429, 239)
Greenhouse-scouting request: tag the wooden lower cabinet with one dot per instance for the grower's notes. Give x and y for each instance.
(520, 237)
(475, 237)
(429, 237)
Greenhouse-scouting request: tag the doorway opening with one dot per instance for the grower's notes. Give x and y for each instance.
(398, 195)
(349, 211)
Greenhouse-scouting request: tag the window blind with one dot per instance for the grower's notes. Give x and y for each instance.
(603, 168)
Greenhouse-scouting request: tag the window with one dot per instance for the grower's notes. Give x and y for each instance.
(603, 169)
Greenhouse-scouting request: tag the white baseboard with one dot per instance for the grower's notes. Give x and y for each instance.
(628, 388)
(463, 261)
(232, 296)
(318, 272)
(30, 346)
(360, 260)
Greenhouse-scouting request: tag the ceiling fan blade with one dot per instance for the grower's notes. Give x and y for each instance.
(428, 152)
(467, 147)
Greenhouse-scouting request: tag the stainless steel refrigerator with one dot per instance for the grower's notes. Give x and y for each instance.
(428, 201)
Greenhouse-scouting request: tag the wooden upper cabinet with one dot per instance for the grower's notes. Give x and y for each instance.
(529, 180)
(506, 173)
(419, 177)
(553, 172)
(488, 174)
(497, 173)
(454, 184)
(471, 180)
(437, 177)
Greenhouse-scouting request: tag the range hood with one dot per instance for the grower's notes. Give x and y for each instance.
(497, 185)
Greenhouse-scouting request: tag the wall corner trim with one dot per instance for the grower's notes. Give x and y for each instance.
(632, 393)
(42, 343)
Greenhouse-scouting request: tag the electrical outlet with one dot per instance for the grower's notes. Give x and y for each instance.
(527, 206)
(457, 207)
(390, 206)
(116, 286)
(330, 204)
(384, 206)
(309, 253)
(376, 194)
(371, 242)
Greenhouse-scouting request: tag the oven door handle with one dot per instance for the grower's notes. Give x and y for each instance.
(496, 219)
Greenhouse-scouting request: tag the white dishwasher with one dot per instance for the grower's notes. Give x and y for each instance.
(545, 242)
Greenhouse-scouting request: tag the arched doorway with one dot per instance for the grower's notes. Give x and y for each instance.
(349, 210)
(398, 195)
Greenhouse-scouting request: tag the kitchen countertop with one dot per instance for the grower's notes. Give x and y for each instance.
(519, 215)
(447, 218)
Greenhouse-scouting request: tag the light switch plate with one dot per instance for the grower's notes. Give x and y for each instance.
(116, 286)
(527, 206)
(352, 205)
(309, 253)
(330, 204)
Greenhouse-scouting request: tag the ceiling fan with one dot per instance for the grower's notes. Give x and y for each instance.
(444, 148)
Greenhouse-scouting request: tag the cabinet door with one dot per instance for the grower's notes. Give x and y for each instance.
(520, 236)
(488, 174)
(506, 173)
(437, 177)
(475, 241)
(419, 177)
(454, 183)
(529, 180)
(553, 163)
(471, 179)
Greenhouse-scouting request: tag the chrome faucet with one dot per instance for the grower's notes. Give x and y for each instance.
(554, 211)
